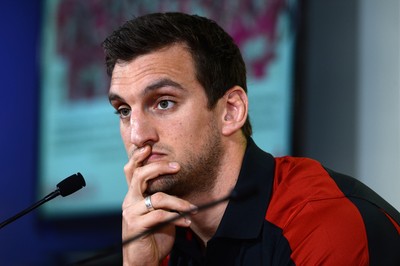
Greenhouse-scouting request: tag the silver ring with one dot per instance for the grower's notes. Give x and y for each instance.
(147, 202)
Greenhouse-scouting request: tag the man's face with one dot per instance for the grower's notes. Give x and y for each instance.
(161, 104)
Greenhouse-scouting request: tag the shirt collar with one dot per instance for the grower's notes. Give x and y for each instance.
(243, 218)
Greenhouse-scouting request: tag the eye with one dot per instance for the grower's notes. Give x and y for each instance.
(123, 112)
(165, 104)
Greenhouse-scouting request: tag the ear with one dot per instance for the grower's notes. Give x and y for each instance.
(235, 104)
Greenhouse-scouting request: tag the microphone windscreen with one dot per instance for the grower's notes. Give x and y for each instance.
(71, 184)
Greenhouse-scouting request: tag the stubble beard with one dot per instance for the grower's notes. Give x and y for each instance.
(198, 173)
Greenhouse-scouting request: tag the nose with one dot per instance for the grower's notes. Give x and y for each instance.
(142, 131)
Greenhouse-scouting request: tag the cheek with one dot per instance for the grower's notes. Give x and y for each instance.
(178, 134)
(174, 130)
(192, 129)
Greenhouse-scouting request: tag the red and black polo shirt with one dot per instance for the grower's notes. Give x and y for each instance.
(301, 214)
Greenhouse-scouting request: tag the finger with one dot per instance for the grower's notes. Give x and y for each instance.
(152, 219)
(159, 216)
(165, 202)
(138, 183)
(136, 160)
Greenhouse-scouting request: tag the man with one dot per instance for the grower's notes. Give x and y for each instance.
(178, 84)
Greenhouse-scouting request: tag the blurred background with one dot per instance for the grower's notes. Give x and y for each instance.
(324, 82)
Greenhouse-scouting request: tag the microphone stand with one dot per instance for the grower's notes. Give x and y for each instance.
(51, 196)
(66, 187)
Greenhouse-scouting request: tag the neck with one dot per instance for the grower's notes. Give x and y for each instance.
(205, 223)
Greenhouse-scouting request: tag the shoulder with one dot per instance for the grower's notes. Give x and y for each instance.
(329, 218)
(303, 180)
(316, 217)
(298, 184)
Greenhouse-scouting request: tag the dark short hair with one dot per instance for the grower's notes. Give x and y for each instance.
(218, 62)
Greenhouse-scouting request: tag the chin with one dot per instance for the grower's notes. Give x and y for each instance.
(164, 183)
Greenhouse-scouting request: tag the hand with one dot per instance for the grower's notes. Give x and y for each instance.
(136, 218)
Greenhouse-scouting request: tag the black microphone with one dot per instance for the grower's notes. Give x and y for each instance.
(66, 187)
(235, 195)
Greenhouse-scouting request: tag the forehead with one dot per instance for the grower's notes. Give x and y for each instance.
(172, 62)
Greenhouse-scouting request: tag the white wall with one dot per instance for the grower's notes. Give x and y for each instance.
(378, 142)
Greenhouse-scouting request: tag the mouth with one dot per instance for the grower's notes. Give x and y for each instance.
(154, 157)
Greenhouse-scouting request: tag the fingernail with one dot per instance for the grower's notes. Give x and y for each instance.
(187, 220)
(173, 165)
(193, 209)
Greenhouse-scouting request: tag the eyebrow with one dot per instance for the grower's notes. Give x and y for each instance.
(114, 97)
(164, 82)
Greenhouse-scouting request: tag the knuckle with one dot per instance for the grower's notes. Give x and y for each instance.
(158, 197)
(124, 206)
(127, 216)
(127, 168)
